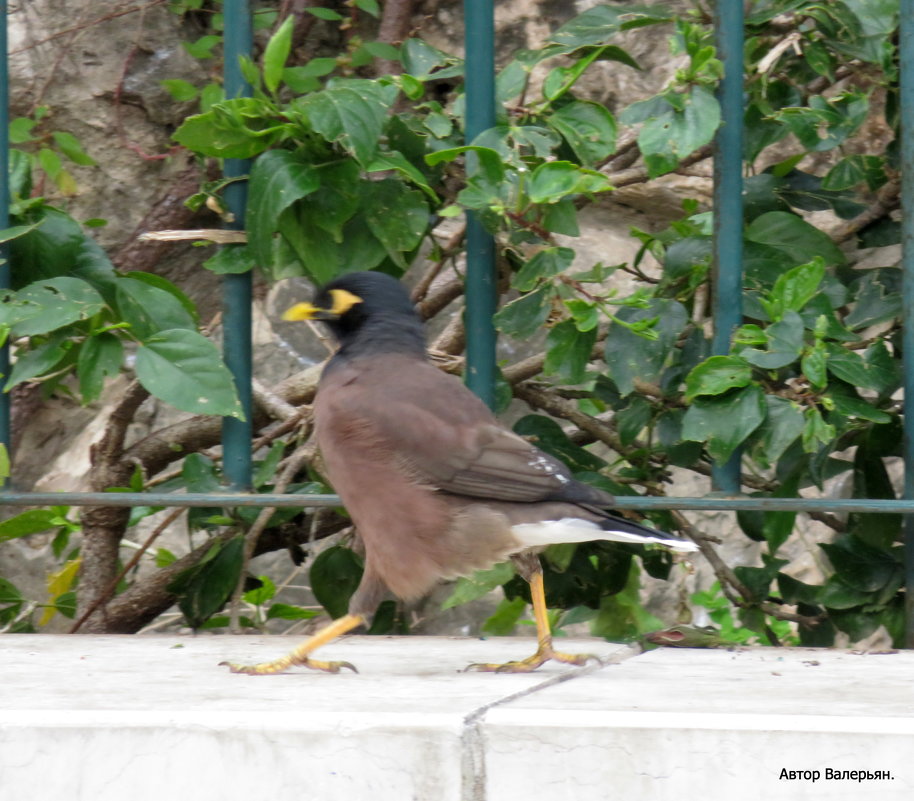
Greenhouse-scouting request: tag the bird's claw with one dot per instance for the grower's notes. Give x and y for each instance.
(280, 665)
(531, 663)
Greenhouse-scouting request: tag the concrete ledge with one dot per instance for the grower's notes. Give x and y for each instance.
(154, 717)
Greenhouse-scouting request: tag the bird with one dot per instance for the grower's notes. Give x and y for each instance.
(434, 484)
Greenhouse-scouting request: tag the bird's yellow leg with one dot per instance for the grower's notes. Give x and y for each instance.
(544, 650)
(301, 654)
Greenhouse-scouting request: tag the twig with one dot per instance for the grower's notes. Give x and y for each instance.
(303, 454)
(420, 290)
(173, 515)
(83, 25)
(396, 16)
(887, 200)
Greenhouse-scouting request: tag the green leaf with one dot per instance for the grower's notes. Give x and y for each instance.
(552, 181)
(37, 361)
(203, 47)
(299, 82)
(395, 160)
(276, 53)
(862, 566)
(633, 419)
(716, 375)
(287, 612)
(319, 256)
(666, 139)
(325, 14)
(561, 217)
(596, 25)
(482, 582)
(334, 576)
(850, 366)
(369, 6)
(851, 406)
(588, 128)
(149, 308)
(26, 523)
(725, 421)
(20, 130)
(278, 179)
(586, 314)
(50, 162)
(568, 351)
(15, 231)
(198, 474)
(488, 161)
(795, 288)
(876, 299)
(100, 357)
(70, 146)
(547, 434)
(396, 215)
(785, 342)
(813, 365)
(4, 464)
(503, 621)
(856, 169)
(181, 91)
(421, 60)
(47, 305)
(838, 594)
(543, 264)
(871, 480)
(783, 424)
(260, 595)
(238, 128)
(794, 236)
(336, 200)
(352, 112)
(816, 432)
(231, 260)
(203, 589)
(184, 368)
(630, 357)
(525, 316)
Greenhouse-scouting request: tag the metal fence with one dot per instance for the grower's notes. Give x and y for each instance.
(480, 284)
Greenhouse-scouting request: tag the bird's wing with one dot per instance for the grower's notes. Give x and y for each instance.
(431, 426)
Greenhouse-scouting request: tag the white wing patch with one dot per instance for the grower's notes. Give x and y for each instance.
(574, 529)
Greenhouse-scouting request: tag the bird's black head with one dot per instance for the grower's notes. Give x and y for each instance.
(366, 312)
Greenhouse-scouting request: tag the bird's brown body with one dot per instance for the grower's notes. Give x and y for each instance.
(402, 475)
(435, 485)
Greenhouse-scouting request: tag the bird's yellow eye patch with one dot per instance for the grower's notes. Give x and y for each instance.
(343, 301)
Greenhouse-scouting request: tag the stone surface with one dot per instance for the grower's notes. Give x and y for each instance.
(712, 724)
(155, 717)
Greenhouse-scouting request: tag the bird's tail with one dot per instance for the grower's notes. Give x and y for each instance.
(611, 528)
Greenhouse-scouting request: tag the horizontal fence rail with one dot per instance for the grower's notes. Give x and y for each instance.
(651, 503)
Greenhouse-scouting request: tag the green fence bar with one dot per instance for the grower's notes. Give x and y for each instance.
(237, 289)
(479, 79)
(728, 204)
(906, 44)
(5, 269)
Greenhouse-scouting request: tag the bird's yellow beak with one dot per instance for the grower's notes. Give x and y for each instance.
(343, 301)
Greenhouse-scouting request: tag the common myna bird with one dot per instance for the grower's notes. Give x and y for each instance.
(435, 485)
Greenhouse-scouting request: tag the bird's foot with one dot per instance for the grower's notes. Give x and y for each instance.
(280, 665)
(543, 654)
